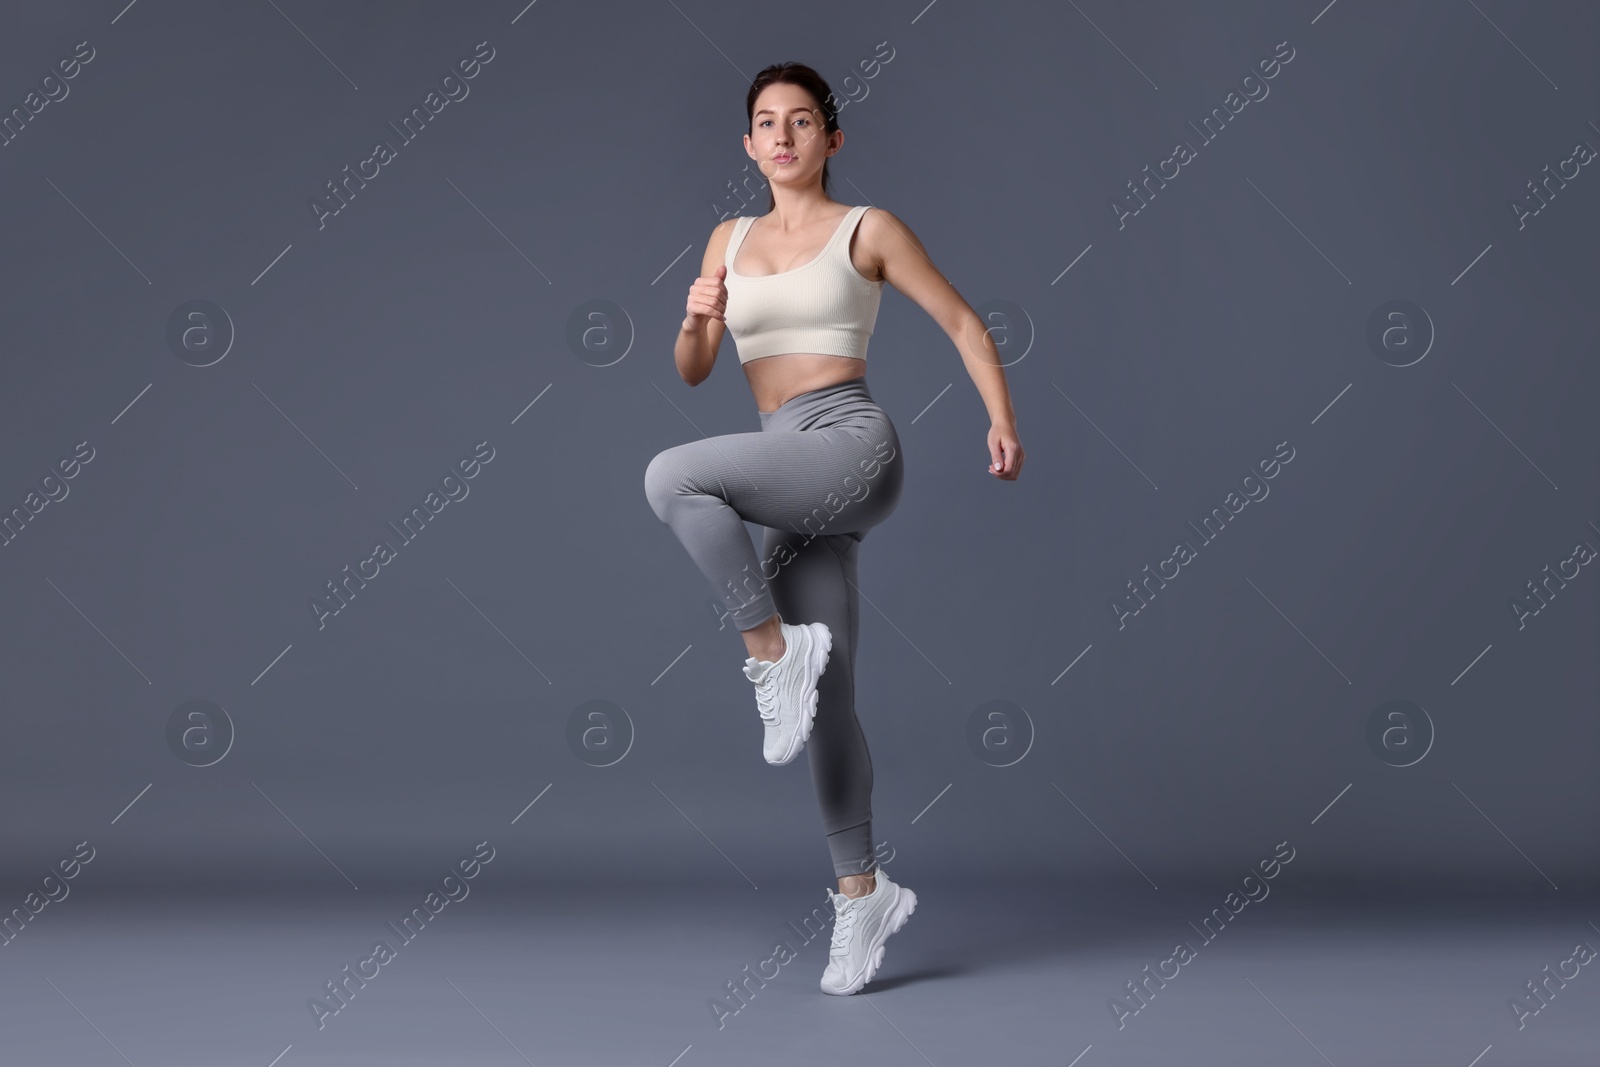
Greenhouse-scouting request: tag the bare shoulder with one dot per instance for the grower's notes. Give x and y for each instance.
(717, 245)
(889, 239)
(897, 253)
(880, 223)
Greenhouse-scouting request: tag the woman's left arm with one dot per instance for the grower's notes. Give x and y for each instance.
(906, 266)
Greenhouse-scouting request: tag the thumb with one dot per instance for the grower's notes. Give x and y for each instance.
(721, 272)
(997, 453)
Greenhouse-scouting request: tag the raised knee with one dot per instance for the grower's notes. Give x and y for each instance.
(661, 483)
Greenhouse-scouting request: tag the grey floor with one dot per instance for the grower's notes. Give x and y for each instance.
(982, 974)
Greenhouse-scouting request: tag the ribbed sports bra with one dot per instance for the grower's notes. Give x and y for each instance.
(824, 306)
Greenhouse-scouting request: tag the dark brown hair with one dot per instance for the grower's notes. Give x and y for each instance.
(813, 83)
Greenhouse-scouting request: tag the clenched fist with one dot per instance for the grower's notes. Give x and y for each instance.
(708, 299)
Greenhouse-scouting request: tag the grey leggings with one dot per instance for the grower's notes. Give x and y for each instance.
(824, 469)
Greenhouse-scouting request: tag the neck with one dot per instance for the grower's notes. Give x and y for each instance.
(797, 208)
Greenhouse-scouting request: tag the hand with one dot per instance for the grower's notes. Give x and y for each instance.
(708, 299)
(1005, 452)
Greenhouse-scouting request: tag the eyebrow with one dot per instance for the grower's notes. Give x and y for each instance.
(792, 110)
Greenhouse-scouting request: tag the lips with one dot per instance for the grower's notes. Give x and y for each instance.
(783, 158)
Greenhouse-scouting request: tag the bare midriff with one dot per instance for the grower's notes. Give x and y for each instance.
(775, 380)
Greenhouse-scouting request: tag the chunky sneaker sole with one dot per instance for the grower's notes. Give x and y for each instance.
(862, 952)
(786, 691)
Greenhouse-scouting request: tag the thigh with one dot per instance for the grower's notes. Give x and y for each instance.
(833, 480)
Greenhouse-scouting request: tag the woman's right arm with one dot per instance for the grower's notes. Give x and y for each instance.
(700, 335)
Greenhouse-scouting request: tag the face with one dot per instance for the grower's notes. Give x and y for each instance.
(786, 138)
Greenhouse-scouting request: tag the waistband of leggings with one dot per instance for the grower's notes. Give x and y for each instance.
(849, 387)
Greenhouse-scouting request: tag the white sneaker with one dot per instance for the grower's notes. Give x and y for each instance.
(786, 690)
(860, 927)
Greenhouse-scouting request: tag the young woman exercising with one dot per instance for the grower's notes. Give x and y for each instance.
(799, 289)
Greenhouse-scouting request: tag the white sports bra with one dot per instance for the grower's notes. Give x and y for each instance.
(824, 306)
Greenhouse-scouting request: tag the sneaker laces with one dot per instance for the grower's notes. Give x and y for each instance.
(843, 924)
(767, 699)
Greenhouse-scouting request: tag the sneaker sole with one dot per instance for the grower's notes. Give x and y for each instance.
(816, 662)
(897, 918)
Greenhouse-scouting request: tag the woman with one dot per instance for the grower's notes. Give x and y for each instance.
(799, 288)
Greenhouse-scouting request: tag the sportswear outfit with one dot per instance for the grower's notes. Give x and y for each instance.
(824, 469)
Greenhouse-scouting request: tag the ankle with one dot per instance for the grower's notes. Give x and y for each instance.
(858, 885)
(768, 644)
(770, 653)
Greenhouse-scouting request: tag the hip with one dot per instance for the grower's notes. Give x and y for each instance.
(844, 404)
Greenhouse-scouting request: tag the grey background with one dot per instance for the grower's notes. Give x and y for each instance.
(590, 161)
